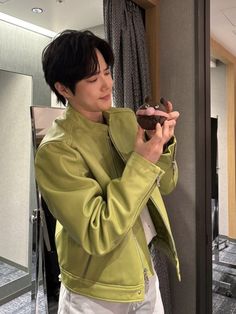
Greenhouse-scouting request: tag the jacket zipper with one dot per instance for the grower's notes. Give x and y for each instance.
(145, 271)
(174, 159)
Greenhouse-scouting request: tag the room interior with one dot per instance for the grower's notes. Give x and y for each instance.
(222, 110)
(179, 69)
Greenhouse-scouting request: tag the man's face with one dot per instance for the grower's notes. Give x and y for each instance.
(93, 95)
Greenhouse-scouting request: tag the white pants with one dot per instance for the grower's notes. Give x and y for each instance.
(73, 303)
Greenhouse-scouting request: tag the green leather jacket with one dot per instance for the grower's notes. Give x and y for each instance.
(95, 185)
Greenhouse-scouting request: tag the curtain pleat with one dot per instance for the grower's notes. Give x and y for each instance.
(124, 30)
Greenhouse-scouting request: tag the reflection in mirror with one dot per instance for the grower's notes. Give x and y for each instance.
(17, 174)
(15, 157)
(223, 161)
(44, 223)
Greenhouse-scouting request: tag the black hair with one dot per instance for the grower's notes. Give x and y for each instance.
(71, 57)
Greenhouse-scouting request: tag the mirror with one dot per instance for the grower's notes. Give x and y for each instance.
(21, 53)
(223, 157)
(23, 49)
(15, 183)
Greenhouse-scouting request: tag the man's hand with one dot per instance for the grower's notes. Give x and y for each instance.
(169, 124)
(153, 148)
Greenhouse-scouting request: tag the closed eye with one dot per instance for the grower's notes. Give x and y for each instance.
(107, 72)
(92, 79)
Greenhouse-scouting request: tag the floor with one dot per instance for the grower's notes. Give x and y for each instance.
(9, 273)
(22, 305)
(223, 304)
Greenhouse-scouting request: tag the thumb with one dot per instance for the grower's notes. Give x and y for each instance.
(140, 135)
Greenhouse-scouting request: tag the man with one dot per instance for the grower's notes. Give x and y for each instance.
(102, 180)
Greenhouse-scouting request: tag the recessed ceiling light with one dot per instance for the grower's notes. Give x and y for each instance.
(37, 10)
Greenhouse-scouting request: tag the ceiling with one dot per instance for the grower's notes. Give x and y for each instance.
(58, 14)
(223, 23)
(81, 14)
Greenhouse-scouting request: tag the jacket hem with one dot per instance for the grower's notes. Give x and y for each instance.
(100, 291)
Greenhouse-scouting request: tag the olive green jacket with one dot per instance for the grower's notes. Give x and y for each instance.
(96, 186)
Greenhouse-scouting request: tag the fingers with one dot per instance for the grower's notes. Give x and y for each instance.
(152, 149)
(157, 136)
(169, 106)
(169, 125)
(140, 135)
(158, 130)
(168, 129)
(173, 115)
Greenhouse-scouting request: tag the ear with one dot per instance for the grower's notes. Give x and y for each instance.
(63, 90)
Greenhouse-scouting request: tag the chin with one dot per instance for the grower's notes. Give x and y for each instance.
(107, 105)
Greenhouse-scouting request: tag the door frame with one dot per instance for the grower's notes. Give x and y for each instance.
(203, 160)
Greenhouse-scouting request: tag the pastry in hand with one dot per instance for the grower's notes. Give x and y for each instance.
(148, 115)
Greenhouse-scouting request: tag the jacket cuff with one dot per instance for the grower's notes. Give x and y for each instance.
(146, 167)
(168, 157)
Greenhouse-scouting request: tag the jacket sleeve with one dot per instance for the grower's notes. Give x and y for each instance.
(167, 163)
(97, 220)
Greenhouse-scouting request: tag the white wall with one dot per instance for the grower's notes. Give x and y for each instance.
(219, 110)
(21, 52)
(15, 154)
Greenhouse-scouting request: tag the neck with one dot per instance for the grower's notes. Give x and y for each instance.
(92, 116)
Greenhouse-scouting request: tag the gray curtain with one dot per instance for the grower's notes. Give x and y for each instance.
(124, 30)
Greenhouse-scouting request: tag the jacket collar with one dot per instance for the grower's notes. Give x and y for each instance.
(117, 125)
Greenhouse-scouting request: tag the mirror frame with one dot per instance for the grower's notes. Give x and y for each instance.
(203, 159)
(21, 285)
(203, 166)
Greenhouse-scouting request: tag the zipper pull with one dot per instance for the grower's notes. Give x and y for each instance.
(146, 279)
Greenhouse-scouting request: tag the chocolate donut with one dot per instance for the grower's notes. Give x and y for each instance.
(148, 115)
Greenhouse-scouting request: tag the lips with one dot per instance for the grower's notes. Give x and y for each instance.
(106, 97)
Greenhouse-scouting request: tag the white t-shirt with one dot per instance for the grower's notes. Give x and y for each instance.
(149, 229)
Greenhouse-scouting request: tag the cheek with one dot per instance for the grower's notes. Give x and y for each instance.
(87, 92)
(83, 96)
(110, 82)
(91, 95)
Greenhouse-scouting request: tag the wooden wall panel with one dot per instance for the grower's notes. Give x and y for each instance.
(219, 52)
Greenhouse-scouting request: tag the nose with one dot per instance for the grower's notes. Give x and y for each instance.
(106, 82)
